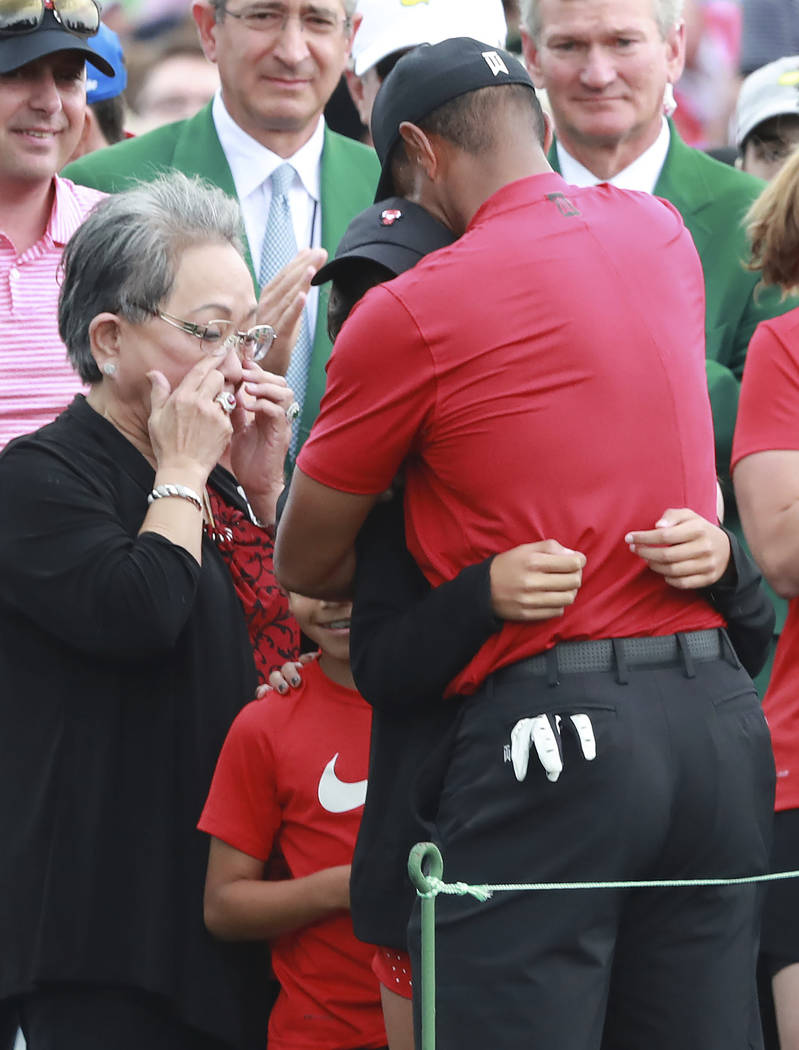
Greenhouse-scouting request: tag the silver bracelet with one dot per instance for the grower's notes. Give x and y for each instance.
(181, 491)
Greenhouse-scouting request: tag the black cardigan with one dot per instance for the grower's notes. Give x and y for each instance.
(123, 664)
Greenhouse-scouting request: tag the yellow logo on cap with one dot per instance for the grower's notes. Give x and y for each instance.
(787, 79)
(413, 3)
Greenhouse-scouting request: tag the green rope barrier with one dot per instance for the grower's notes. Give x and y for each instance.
(426, 866)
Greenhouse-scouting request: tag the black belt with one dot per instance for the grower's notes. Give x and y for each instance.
(608, 654)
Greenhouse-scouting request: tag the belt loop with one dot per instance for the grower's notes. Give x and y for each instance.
(553, 675)
(687, 661)
(622, 677)
(728, 649)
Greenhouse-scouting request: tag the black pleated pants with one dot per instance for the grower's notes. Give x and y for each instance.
(682, 787)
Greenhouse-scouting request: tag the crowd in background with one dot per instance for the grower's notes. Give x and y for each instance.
(168, 77)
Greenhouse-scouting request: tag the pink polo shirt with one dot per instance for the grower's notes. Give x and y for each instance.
(36, 379)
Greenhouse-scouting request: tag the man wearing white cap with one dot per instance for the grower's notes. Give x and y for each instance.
(389, 28)
(767, 117)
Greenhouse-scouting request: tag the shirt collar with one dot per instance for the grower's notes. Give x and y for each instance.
(251, 163)
(642, 174)
(65, 215)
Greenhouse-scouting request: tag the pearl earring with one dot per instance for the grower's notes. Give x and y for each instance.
(109, 368)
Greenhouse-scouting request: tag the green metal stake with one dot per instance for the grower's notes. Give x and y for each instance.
(426, 854)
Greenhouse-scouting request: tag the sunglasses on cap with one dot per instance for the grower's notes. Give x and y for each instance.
(81, 17)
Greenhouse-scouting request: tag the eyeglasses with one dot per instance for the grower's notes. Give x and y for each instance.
(273, 19)
(216, 335)
(81, 17)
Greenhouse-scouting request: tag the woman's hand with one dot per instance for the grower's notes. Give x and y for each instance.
(535, 581)
(686, 549)
(288, 675)
(189, 430)
(282, 302)
(261, 436)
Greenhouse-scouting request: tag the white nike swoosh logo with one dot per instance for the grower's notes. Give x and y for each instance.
(337, 796)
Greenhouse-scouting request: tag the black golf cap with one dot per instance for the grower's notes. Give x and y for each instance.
(17, 49)
(395, 233)
(429, 76)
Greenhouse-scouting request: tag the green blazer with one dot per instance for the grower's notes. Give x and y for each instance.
(713, 199)
(348, 180)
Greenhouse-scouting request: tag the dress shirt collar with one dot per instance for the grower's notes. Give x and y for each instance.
(251, 163)
(642, 174)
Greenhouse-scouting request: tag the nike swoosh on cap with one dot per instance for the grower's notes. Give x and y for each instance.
(338, 796)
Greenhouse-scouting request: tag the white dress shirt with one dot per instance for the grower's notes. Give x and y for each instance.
(642, 174)
(251, 165)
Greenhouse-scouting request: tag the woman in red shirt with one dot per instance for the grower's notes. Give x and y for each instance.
(766, 475)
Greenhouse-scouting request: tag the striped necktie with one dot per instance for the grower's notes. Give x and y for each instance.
(279, 248)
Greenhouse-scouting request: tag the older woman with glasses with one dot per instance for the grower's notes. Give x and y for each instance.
(124, 645)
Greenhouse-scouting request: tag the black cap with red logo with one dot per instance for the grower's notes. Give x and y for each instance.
(395, 233)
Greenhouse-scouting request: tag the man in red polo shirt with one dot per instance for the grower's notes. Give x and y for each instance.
(543, 378)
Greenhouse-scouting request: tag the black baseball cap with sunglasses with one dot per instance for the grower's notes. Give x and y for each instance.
(31, 29)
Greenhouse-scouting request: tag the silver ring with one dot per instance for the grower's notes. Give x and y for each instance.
(226, 401)
(293, 411)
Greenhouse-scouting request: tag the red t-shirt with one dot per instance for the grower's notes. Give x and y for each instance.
(292, 773)
(767, 420)
(542, 377)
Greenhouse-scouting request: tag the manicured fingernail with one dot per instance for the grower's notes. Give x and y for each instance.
(282, 687)
(628, 538)
(295, 681)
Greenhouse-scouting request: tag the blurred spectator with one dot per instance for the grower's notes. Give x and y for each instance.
(767, 117)
(705, 92)
(170, 78)
(770, 30)
(105, 101)
(385, 35)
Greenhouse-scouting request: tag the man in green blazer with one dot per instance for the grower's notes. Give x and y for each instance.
(278, 66)
(608, 67)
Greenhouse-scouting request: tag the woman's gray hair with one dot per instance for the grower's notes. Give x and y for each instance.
(667, 14)
(124, 257)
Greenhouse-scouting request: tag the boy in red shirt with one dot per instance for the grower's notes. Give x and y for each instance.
(292, 775)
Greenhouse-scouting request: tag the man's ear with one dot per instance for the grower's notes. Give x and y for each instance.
(675, 51)
(205, 17)
(530, 55)
(355, 26)
(419, 148)
(549, 133)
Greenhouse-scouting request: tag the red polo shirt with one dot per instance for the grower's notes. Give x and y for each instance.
(542, 377)
(766, 421)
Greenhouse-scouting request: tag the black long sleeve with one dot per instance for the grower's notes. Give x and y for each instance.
(742, 600)
(408, 640)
